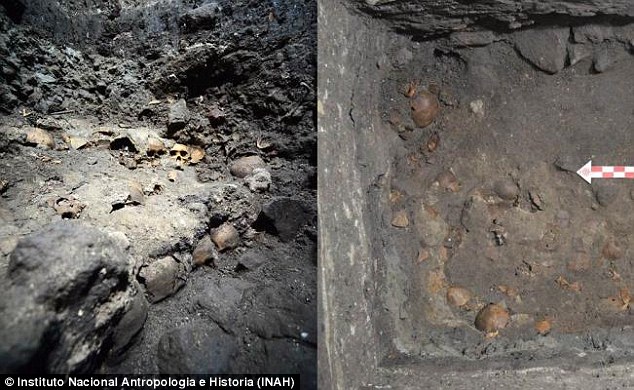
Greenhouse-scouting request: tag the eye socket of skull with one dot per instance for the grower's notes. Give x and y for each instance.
(183, 153)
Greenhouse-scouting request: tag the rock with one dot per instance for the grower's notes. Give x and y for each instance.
(258, 180)
(544, 48)
(580, 262)
(251, 260)
(163, 278)
(477, 107)
(562, 218)
(178, 116)
(130, 325)
(591, 33)
(23, 326)
(458, 296)
(576, 53)
(475, 38)
(429, 19)
(284, 355)
(196, 348)
(205, 252)
(543, 327)
(136, 196)
(45, 78)
(447, 181)
(400, 219)
(606, 193)
(612, 250)
(569, 163)
(285, 215)
(69, 290)
(403, 57)
(506, 189)
(375, 2)
(203, 17)
(602, 61)
(221, 300)
(270, 321)
(245, 166)
(225, 237)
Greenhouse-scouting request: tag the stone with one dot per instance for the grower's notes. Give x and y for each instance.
(69, 289)
(225, 237)
(606, 193)
(506, 189)
(612, 250)
(251, 260)
(577, 53)
(130, 325)
(470, 39)
(178, 116)
(23, 326)
(477, 107)
(286, 216)
(270, 322)
(245, 166)
(602, 61)
(400, 219)
(284, 355)
(45, 78)
(403, 57)
(205, 252)
(163, 278)
(203, 17)
(580, 262)
(569, 162)
(259, 180)
(591, 33)
(376, 2)
(544, 48)
(458, 296)
(221, 298)
(196, 348)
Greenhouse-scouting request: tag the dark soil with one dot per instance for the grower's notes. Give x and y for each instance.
(102, 84)
(496, 207)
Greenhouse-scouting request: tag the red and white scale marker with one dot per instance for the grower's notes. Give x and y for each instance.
(589, 172)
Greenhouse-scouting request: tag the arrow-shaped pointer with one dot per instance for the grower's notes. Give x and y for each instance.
(589, 172)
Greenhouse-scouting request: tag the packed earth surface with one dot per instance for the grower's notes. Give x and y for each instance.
(158, 187)
(476, 245)
(486, 205)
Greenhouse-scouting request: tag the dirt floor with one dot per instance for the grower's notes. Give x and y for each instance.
(486, 203)
(467, 251)
(143, 121)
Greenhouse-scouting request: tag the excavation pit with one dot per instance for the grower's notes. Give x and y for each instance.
(430, 225)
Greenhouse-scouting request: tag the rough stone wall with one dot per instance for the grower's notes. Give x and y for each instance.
(352, 151)
(429, 18)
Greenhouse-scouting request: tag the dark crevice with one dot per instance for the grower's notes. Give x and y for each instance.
(409, 23)
(14, 9)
